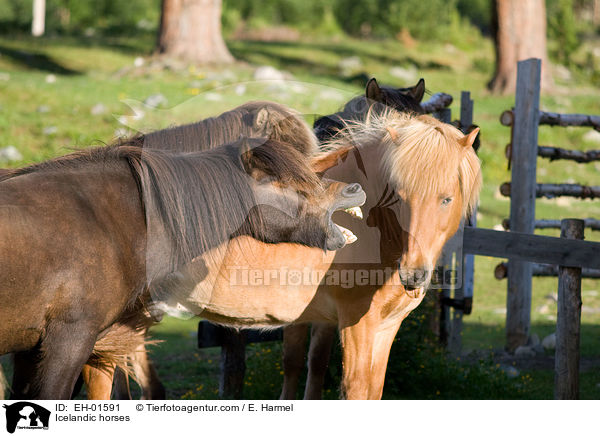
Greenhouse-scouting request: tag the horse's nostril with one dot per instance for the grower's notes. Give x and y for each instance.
(414, 278)
(352, 188)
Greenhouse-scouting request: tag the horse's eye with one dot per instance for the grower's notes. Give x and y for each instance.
(446, 201)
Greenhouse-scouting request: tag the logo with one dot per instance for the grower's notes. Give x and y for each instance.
(26, 415)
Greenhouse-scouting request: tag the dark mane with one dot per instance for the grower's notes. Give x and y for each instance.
(357, 109)
(107, 154)
(202, 199)
(198, 199)
(256, 119)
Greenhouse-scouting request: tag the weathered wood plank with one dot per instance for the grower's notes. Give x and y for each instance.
(209, 335)
(437, 102)
(554, 153)
(568, 322)
(464, 262)
(552, 190)
(556, 119)
(522, 205)
(233, 364)
(532, 248)
(507, 118)
(544, 270)
(588, 223)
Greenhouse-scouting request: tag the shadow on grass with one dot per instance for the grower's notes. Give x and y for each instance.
(36, 61)
(248, 50)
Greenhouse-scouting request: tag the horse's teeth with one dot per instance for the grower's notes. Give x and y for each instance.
(356, 212)
(348, 235)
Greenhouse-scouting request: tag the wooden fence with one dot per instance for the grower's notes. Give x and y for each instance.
(567, 257)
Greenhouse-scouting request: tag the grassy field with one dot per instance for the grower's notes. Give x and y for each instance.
(60, 94)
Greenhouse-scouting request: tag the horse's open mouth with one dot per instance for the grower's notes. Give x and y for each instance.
(350, 237)
(352, 198)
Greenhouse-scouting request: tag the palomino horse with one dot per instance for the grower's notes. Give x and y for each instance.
(376, 99)
(84, 235)
(421, 177)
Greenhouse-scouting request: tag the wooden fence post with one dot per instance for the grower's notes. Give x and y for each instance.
(522, 204)
(233, 363)
(568, 322)
(466, 265)
(446, 262)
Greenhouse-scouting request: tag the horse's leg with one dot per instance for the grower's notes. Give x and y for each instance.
(294, 352)
(65, 349)
(381, 353)
(98, 380)
(357, 341)
(24, 367)
(121, 390)
(2, 384)
(321, 341)
(147, 376)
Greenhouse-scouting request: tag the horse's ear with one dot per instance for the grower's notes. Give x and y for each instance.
(373, 91)
(468, 140)
(262, 118)
(418, 91)
(322, 163)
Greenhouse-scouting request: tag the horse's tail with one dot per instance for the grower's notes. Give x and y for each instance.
(126, 338)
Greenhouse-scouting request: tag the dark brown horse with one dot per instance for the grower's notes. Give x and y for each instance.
(84, 235)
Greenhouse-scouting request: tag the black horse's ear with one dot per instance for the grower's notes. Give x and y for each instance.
(373, 91)
(418, 91)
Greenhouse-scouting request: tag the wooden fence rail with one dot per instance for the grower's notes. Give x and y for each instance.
(556, 153)
(544, 270)
(551, 190)
(589, 223)
(507, 118)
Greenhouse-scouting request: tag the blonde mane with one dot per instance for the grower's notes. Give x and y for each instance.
(422, 156)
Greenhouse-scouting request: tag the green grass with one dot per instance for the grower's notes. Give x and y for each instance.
(90, 71)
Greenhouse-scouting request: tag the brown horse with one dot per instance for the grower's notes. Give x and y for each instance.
(256, 119)
(376, 99)
(367, 288)
(85, 235)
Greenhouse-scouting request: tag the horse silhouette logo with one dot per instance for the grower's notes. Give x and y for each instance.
(26, 415)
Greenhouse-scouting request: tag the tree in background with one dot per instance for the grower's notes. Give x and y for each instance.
(38, 23)
(519, 29)
(190, 30)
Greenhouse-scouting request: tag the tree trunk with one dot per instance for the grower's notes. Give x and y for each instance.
(519, 28)
(38, 23)
(190, 30)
